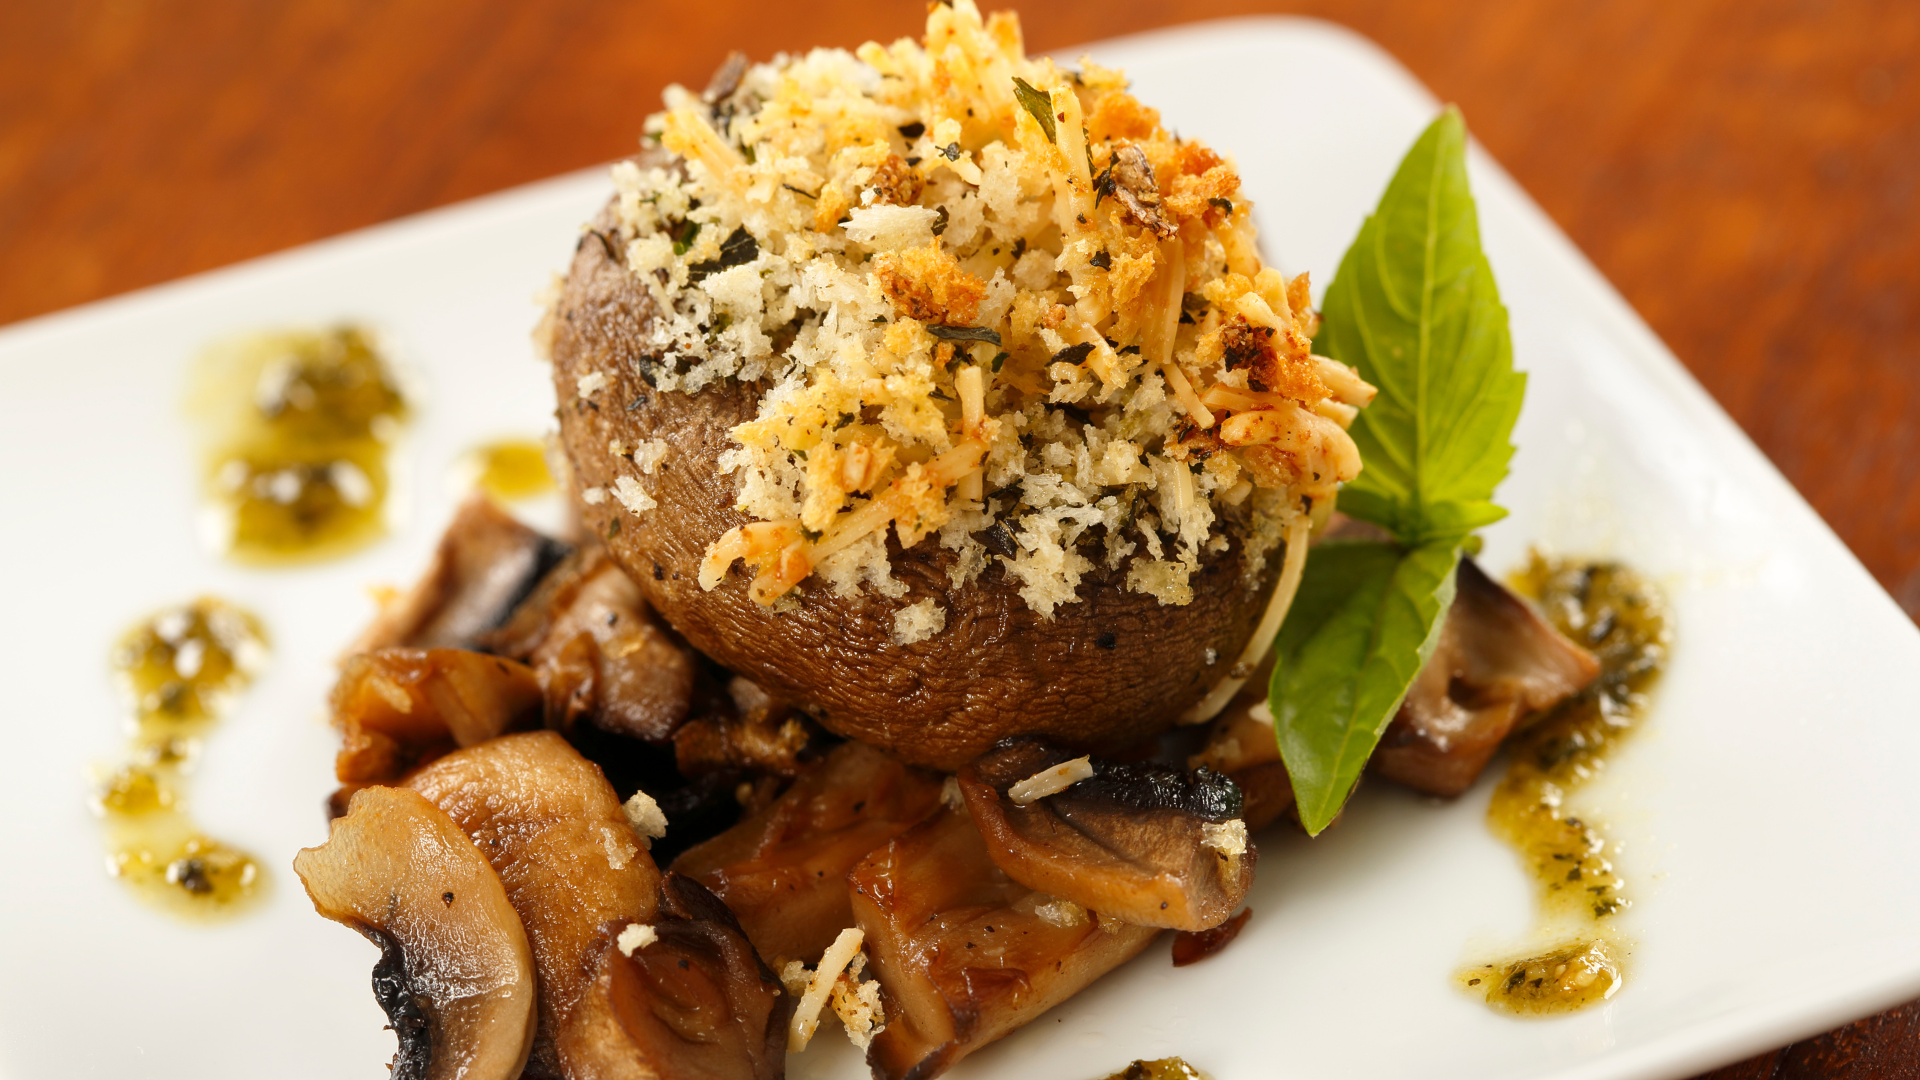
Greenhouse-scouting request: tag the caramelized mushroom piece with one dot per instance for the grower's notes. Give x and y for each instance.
(552, 828)
(486, 563)
(1241, 744)
(686, 998)
(783, 871)
(600, 651)
(396, 707)
(964, 954)
(1497, 660)
(761, 735)
(1145, 843)
(455, 974)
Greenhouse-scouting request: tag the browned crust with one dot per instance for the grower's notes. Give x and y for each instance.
(1103, 673)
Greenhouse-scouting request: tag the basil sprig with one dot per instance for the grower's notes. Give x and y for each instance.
(1415, 309)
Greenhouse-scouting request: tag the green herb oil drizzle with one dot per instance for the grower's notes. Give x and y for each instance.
(181, 668)
(1622, 618)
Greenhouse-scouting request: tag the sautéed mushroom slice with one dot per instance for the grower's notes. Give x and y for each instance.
(760, 734)
(600, 651)
(455, 974)
(487, 562)
(396, 707)
(1497, 661)
(555, 833)
(783, 871)
(963, 953)
(686, 997)
(1146, 843)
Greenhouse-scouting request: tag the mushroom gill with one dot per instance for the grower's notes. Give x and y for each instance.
(1145, 843)
(455, 976)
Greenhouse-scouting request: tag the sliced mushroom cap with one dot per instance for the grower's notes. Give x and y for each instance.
(456, 974)
(964, 954)
(783, 871)
(555, 833)
(1497, 660)
(1132, 841)
(695, 1002)
(600, 651)
(1241, 744)
(399, 706)
(486, 563)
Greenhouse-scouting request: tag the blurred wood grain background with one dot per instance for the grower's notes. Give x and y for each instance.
(1747, 172)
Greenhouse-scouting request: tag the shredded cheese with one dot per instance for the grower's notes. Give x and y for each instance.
(806, 1015)
(648, 820)
(1050, 781)
(635, 936)
(1226, 837)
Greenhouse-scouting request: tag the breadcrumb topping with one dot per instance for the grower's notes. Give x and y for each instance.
(995, 304)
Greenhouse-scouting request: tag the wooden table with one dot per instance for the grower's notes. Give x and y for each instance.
(1747, 172)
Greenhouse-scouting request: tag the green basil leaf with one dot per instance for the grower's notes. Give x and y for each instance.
(1365, 620)
(1415, 309)
(1039, 105)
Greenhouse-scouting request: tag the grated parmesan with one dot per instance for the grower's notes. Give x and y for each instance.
(918, 621)
(1050, 781)
(819, 985)
(635, 936)
(648, 820)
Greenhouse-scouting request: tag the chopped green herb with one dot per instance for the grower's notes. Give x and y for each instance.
(738, 249)
(1038, 105)
(1074, 354)
(913, 131)
(939, 220)
(684, 233)
(964, 333)
(802, 192)
(1223, 204)
(1102, 259)
(998, 359)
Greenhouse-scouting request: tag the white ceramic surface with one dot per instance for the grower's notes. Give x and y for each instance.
(1767, 815)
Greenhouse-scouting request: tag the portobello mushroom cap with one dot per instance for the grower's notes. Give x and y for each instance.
(455, 975)
(1102, 673)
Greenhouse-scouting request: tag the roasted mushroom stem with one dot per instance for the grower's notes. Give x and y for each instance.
(1148, 844)
(685, 997)
(964, 954)
(397, 707)
(552, 828)
(455, 974)
(600, 652)
(783, 871)
(1497, 661)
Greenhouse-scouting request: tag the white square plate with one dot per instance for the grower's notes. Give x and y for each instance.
(1768, 814)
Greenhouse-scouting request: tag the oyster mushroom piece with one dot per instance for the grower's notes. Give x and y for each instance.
(1148, 844)
(965, 954)
(1497, 661)
(687, 997)
(398, 706)
(600, 651)
(455, 974)
(783, 871)
(555, 833)
(487, 562)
